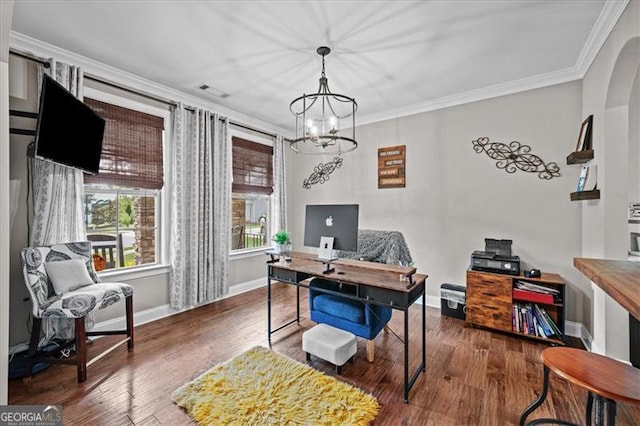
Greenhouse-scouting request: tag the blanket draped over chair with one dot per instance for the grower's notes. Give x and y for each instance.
(380, 246)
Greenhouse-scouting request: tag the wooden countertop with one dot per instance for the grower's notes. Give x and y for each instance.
(620, 279)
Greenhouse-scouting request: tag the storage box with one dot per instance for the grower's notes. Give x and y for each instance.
(453, 301)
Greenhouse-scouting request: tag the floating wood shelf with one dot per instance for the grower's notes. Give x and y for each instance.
(579, 157)
(585, 195)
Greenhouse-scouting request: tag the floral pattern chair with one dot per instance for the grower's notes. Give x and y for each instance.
(49, 301)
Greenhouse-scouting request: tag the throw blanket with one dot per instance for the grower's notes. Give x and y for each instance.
(380, 246)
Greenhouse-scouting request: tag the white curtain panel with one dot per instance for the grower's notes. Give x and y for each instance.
(58, 201)
(280, 189)
(200, 203)
(222, 161)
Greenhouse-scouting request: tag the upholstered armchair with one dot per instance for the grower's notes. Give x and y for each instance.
(62, 283)
(362, 319)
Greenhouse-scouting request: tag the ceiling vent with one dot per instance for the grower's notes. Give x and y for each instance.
(213, 91)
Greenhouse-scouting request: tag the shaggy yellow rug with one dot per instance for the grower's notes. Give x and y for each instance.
(261, 387)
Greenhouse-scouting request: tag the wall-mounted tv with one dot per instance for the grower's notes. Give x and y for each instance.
(68, 131)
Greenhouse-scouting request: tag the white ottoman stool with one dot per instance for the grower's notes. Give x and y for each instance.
(329, 343)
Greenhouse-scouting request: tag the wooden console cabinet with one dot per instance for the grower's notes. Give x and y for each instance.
(489, 301)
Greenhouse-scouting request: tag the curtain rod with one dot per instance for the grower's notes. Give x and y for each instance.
(30, 57)
(45, 63)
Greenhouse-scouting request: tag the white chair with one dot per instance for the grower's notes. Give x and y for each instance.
(62, 283)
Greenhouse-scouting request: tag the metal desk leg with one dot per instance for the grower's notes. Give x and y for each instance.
(424, 331)
(298, 303)
(406, 356)
(269, 309)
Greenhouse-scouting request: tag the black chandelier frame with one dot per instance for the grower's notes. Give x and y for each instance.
(328, 142)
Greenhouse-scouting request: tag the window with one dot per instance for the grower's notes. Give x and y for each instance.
(122, 201)
(251, 194)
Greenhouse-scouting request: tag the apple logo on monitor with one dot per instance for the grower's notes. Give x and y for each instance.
(329, 221)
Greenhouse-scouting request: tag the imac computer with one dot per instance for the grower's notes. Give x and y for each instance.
(331, 227)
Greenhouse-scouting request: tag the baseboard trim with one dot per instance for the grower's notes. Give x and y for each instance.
(246, 286)
(433, 301)
(164, 311)
(577, 329)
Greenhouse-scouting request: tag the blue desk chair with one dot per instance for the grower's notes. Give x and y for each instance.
(362, 319)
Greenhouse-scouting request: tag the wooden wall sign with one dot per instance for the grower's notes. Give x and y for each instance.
(391, 166)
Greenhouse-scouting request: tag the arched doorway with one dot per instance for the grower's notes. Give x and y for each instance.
(621, 161)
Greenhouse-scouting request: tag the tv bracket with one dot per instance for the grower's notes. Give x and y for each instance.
(25, 114)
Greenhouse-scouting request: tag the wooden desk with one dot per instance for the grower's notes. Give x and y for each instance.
(374, 283)
(620, 279)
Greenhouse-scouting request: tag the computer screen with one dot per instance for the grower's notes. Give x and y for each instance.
(339, 221)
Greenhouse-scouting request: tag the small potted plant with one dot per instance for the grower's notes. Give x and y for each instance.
(282, 241)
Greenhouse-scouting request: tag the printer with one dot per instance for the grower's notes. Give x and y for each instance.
(496, 258)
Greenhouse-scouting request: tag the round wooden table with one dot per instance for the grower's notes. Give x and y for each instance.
(605, 379)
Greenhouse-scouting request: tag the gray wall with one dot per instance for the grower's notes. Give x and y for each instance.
(454, 197)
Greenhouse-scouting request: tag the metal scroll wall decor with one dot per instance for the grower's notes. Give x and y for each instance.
(516, 156)
(322, 172)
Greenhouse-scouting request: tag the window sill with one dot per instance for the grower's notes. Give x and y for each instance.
(248, 253)
(134, 273)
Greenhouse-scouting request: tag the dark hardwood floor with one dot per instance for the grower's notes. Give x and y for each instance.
(473, 376)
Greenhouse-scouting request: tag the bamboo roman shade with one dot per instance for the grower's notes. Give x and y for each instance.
(252, 167)
(131, 148)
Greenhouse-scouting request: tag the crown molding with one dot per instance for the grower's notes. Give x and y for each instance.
(41, 49)
(608, 18)
(509, 88)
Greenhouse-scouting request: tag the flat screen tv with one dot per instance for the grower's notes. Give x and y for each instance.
(68, 131)
(339, 221)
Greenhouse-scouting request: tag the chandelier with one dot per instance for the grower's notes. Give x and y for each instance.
(319, 117)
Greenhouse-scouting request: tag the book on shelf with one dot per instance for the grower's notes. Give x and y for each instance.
(552, 324)
(532, 296)
(546, 328)
(531, 319)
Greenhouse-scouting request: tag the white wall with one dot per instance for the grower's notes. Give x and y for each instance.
(6, 14)
(634, 142)
(609, 93)
(454, 197)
